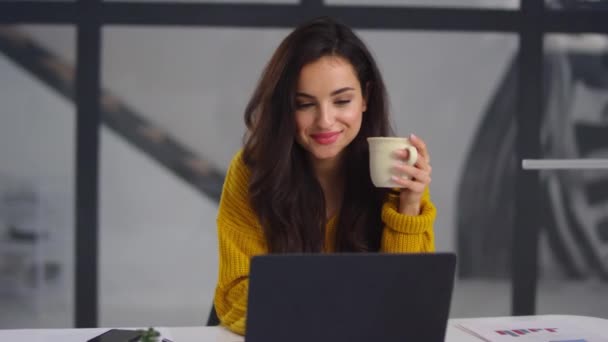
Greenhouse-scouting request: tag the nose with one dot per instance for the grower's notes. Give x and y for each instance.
(325, 116)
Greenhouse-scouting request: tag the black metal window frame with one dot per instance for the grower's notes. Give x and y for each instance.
(531, 21)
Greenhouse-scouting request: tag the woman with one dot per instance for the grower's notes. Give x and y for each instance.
(301, 183)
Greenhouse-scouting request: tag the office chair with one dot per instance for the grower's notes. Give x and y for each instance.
(213, 320)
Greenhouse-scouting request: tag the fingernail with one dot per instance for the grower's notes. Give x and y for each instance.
(413, 135)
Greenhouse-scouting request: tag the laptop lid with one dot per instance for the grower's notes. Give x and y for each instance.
(349, 297)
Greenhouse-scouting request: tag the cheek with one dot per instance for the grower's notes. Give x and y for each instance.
(353, 117)
(302, 124)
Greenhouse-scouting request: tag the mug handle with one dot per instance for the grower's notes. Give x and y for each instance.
(413, 155)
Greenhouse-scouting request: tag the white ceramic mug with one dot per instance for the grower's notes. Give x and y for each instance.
(382, 159)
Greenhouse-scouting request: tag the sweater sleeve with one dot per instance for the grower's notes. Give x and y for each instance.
(240, 237)
(408, 234)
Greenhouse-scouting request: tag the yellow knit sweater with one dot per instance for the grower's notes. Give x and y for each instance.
(241, 237)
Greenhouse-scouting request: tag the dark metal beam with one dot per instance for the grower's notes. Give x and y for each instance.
(311, 3)
(17, 12)
(527, 191)
(286, 15)
(88, 120)
(233, 15)
(433, 19)
(576, 21)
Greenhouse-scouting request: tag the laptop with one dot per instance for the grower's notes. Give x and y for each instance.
(349, 297)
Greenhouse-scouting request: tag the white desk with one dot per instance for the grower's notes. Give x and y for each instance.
(218, 334)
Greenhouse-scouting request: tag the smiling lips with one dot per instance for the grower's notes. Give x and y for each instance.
(326, 138)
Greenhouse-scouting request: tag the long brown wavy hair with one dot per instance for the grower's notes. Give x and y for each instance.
(283, 189)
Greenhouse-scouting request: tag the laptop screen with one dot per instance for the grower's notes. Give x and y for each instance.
(349, 297)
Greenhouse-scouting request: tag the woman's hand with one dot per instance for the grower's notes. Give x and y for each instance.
(420, 174)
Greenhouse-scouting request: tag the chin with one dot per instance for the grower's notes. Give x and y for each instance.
(325, 153)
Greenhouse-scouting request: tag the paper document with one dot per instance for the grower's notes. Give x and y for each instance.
(528, 330)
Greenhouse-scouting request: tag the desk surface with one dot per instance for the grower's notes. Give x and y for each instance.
(218, 334)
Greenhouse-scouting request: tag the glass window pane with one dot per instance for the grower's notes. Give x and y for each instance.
(36, 177)
(574, 240)
(442, 87)
(498, 4)
(189, 84)
(446, 88)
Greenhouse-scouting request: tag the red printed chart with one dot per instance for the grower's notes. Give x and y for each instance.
(527, 330)
(520, 332)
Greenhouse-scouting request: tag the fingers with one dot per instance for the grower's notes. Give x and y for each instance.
(413, 177)
(424, 165)
(418, 174)
(420, 145)
(421, 163)
(409, 184)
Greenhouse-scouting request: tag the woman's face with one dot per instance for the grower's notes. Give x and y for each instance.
(329, 107)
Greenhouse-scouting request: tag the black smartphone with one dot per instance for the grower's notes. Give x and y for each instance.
(117, 335)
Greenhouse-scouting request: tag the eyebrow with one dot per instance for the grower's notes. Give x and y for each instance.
(333, 93)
